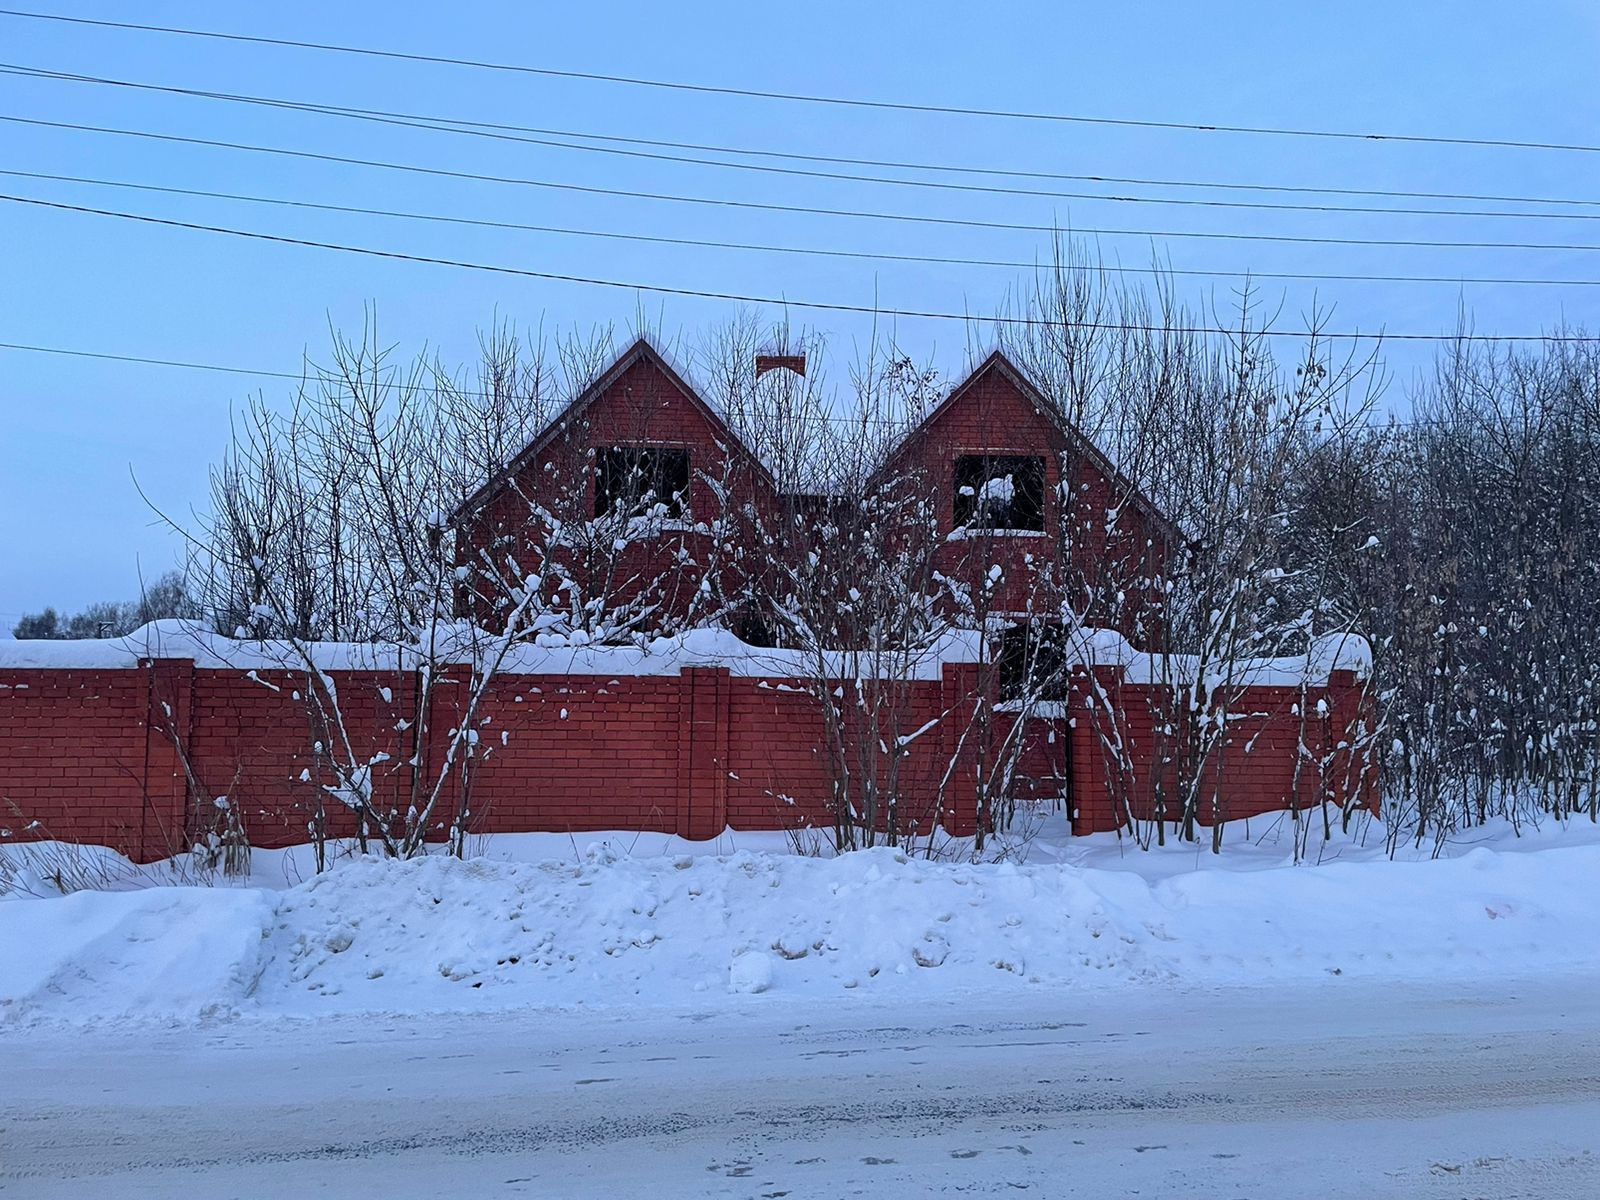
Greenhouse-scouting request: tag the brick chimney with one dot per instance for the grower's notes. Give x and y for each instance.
(780, 362)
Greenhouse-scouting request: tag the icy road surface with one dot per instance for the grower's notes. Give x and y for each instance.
(1458, 1090)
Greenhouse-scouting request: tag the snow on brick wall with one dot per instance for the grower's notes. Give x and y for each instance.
(687, 742)
(86, 754)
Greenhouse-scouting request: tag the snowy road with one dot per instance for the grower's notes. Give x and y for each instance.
(1491, 1090)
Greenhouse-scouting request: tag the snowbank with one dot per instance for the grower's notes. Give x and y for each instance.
(161, 950)
(440, 934)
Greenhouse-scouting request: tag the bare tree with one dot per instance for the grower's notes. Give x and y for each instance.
(327, 546)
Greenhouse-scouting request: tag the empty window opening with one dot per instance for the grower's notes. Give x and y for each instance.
(999, 491)
(754, 627)
(1032, 662)
(635, 482)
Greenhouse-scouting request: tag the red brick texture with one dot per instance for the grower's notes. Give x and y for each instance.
(1099, 537)
(640, 403)
(1259, 768)
(1110, 540)
(94, 755)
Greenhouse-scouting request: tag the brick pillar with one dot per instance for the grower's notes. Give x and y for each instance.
(958, 699)
(1082, 756)
(1093, 803)
(704, 720)
(169, 715)
(447, 706)
(1346, 701)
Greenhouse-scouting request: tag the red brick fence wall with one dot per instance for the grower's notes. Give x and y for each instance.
(87, 754)
(91, 752)
(1286, 747)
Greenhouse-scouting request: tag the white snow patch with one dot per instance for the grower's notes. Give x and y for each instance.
(546, 654)
(751, 972)
(668, 928)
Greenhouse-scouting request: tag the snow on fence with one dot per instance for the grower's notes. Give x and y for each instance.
(144, 743)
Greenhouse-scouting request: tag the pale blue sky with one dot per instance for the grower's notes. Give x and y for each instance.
(72, 529)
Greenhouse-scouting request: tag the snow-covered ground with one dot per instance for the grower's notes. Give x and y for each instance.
(622, 1014)
(603, 921)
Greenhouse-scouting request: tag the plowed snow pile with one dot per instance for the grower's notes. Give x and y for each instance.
(439, 934)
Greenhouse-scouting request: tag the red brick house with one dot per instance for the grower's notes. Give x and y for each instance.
(1063, 525)
(1068, 528)
(639, 432)
(130, 743)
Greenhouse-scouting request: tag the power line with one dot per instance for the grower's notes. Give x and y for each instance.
(521, 136)
(905, 423)
(704, 243)
(838, 101)
(952, 168)
(1010, 173)
(149, 362)
(764, 206)
(818, 305)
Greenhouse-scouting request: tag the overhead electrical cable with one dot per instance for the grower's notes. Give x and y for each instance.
(549, 139)
(804, 251)
(800, 97)
(952, 168)
(764, 206)
(323, 373)
(780, 301)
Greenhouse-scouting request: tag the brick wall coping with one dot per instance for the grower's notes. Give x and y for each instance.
(1324, 655)
(1092, 648)
(546, 656)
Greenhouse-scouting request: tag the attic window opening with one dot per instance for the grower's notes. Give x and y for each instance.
(1004, 491)
(637, 482)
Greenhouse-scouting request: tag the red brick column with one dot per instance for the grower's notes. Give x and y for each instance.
(1347, 702)
(704, 721)
(1093, 804)
(447, 706)
(958, 699)
(164, 817)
